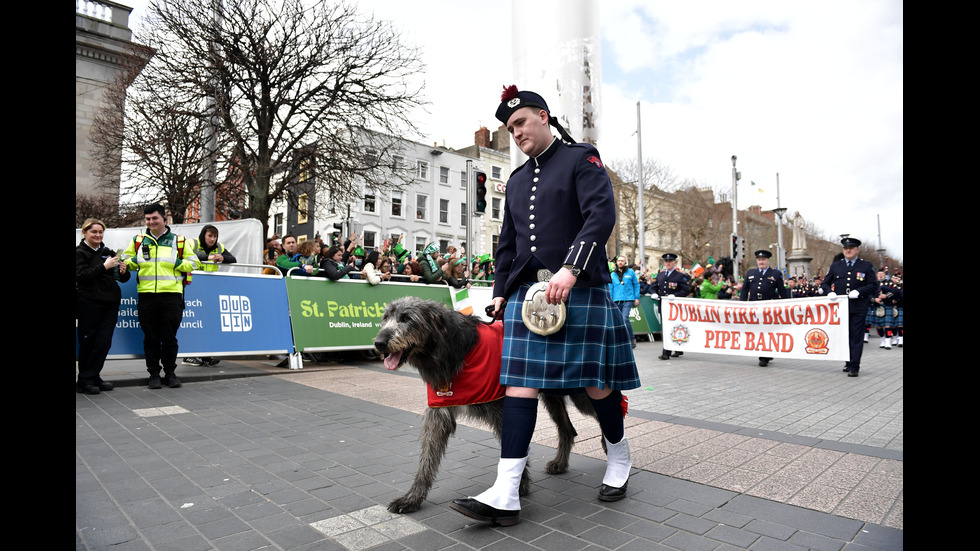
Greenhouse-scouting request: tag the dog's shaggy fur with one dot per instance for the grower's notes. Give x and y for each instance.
(435, 340)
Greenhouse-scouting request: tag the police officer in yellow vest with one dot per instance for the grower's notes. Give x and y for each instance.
(162, 261)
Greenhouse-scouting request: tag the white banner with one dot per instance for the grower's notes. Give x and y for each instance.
(812, 328)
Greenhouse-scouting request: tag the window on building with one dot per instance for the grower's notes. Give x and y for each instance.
(421, 207)
(495, 172)
(302, 208)
(494, 241)
(370, 239)
(420, 243)
(444, 175)
(371, 157)
(443, 211)
(369, 201)
(396, 204)
(277, 224)
(462, 214)
(422, 170)
(495, 208)
(443, 246)
(304, 171)
(397, 163)
(462, 178)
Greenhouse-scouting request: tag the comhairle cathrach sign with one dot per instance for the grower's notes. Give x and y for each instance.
(806, 328)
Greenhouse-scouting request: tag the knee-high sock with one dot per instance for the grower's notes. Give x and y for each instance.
(520, 416)
(609, 410)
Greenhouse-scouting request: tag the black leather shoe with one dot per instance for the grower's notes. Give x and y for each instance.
(665, 356)
(483, 512)
(87, 389)
(172, 381)
(154, 382)
(608, 493)
(847, 368)
(852, 373)
(677, 354)
(106, 386)
(763, 362)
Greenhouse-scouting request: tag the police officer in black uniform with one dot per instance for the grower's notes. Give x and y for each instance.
(670, 282)
(853, 277)
(763, 283)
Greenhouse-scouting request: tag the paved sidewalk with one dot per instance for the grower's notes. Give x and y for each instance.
(727, 455)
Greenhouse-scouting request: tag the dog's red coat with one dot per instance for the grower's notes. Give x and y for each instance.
(479, 381)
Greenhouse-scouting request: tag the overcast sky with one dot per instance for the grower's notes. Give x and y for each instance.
(812, 91)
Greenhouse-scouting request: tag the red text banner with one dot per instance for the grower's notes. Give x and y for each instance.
(805, 328)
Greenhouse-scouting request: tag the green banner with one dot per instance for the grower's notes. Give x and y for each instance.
(346, 314)
(638, 320)
(651, 317)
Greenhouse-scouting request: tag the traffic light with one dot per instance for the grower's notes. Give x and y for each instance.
(735, 247)
(338, 228)
(481, 192)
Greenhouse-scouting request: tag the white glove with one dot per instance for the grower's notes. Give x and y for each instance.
(654, 296)
(832, 295)
(853, 294)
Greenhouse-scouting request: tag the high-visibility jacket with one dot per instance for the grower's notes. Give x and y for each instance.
(199, 252)
(161, 264)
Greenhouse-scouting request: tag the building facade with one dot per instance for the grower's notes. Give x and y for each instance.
(102, 36)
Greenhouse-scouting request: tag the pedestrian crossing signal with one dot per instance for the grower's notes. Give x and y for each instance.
(481, 192)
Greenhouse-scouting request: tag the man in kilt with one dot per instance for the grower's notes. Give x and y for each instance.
(558, 216)
(898, 329)
(884, 309)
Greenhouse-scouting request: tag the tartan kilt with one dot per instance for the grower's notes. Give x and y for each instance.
(885, 320)
(593, 347)
(897, 322)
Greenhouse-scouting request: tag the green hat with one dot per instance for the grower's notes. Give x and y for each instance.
(400, 251)
(358, 251)
(460, 261)
(484, 258)
(430, 249)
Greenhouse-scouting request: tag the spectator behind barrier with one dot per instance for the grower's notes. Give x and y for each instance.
(333, 264)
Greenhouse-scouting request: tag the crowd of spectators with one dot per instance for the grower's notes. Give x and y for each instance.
(393, 262)
(390, 262)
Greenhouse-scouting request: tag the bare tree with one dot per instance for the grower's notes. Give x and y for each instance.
(658, 181)
(159, 141)
(106, 207)
(301, 91)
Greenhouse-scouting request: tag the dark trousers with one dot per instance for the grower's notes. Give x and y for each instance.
(96, 322)
(856, 322)
(160, 315)
(625, 306)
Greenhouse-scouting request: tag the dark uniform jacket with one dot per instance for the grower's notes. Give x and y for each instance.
(763, 287)
(677, 284)
(842, 280)
(559, 210)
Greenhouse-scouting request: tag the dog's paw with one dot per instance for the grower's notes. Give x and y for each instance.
(403, 505)
(556, 467)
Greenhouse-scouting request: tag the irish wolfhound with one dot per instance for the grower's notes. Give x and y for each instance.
(435, 340)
